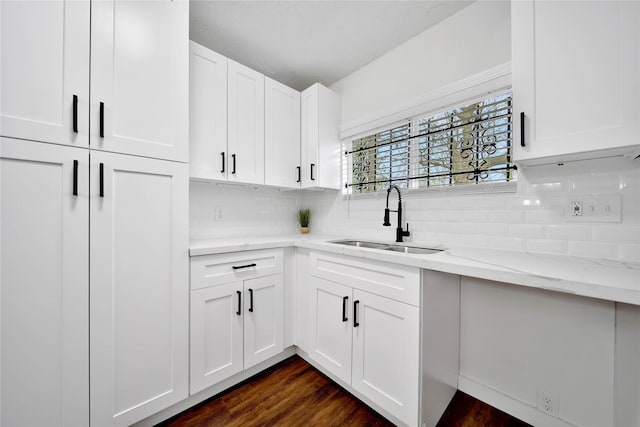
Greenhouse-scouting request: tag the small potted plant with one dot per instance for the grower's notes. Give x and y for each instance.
(303, 219)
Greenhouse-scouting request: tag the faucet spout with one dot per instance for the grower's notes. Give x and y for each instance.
(400, 233)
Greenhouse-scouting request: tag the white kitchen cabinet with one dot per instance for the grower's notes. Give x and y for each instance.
(245, 133)
(207, 113)
(140, 78)
(282, 135)
(331, 333)
(576, 78)
(386, 339)
(44, 288)
(139, 287)
(237, 313)
(371, 341)
(320, 137)
(216, 334)
(44, 69)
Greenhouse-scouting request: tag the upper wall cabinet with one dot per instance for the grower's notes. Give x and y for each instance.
(207, 113)
(245, 139)
(576, 78)
(140, 78)
(320, 137)
(282, 135)
(44, 64)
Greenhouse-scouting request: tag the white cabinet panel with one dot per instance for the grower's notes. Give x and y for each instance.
(320, 137)
(44, 285)
(207, 114)
(282, 135)
(576, 76)
(216, 334)
(386, 354)
(246, 124)
(331, 327)
(44, 61)
(139, 287)
(263, 319)
(140, 75)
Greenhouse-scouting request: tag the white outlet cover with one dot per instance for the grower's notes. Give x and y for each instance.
(594, 208)
(548, 403)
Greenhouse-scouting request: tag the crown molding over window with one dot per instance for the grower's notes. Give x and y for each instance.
(466, 90)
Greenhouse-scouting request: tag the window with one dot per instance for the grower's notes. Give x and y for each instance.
(468, 145)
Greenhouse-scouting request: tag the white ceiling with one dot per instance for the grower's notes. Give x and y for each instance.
(302, 42)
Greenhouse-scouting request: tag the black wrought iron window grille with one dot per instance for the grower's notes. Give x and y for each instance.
(467, 145)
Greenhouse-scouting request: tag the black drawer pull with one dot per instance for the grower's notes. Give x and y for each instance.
(222, 154)
(101, 179)
(238, 267)
(233, 158)
(102, 120)
(522, 144)
(75, 177)
(75, 113)
(355, 313)
(251, 300)
(344, 309)
(312, 166)
(299, 173)
(239, 312)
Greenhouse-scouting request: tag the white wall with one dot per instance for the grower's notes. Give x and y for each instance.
(471, 41)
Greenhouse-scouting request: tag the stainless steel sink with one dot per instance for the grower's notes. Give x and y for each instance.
(388, 247)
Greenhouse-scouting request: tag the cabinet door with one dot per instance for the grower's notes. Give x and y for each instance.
(139, 287)
(576, 76)
(44, 288)
(44, 63)
(216, 334)
(263, 319)
(207, 113)
(282, 135)
(140, 77)
(246, 124)
(309, 103)
(331, 327)
(386, 354)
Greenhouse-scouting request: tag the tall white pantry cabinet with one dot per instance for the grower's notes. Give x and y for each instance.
(94, 224)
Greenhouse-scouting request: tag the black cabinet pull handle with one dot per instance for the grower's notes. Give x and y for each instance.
(222, 154)
(344, 309)
(312, 177)
(522, 144)
(233, 158)
(101, 179)
(251, 300)
(102, 120)
(238, 267)
(299, 173)
(75, 177)
(355, 313)
(239, 312)
(75, 113)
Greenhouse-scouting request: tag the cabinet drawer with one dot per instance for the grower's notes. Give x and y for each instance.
(398, 282)
(212, 270)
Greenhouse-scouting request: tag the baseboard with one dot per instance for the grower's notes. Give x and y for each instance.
(207, 393)
(512, 406)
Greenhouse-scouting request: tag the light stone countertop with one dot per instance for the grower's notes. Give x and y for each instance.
(602, 279)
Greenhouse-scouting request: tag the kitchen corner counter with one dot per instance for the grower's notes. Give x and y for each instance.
(601, 279)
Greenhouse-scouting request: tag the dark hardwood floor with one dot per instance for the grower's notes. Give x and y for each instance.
(293, 393)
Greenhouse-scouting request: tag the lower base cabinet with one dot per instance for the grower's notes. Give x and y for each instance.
(238, 324)
(369, 341)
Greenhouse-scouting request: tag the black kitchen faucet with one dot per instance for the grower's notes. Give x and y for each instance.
(399, 231)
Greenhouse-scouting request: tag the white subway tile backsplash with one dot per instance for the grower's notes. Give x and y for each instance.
(593, 250)
(533, 219)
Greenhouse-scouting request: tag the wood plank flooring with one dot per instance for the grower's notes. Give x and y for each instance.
(293, 393)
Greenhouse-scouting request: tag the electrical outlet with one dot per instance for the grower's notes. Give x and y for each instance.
(576, 208)
(594, 208)
(219, 215)
(548, 403)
